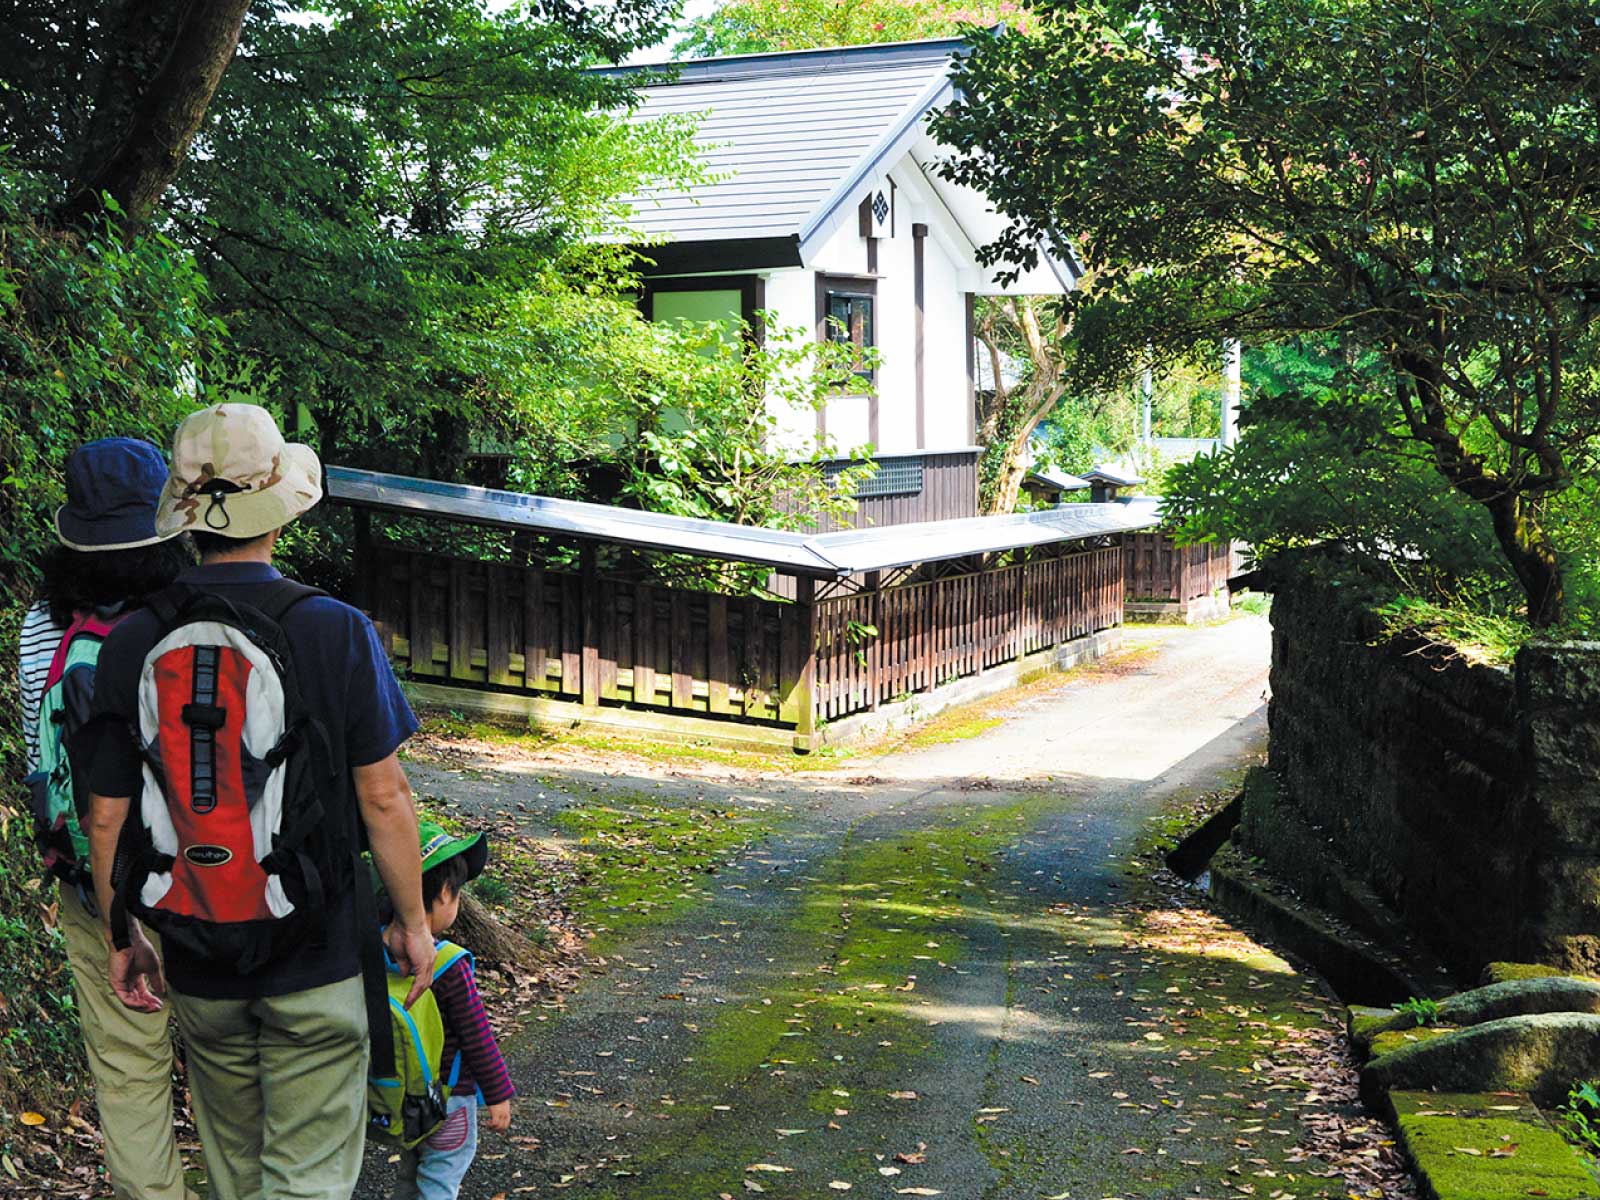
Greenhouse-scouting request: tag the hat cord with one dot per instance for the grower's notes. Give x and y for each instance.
(218, 496)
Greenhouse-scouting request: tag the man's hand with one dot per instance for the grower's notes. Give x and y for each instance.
(500, 1116)
(412, 950)
(136, 973)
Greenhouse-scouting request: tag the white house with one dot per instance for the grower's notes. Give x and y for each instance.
(826, 203)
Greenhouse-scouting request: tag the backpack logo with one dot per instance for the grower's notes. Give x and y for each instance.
(208, 856)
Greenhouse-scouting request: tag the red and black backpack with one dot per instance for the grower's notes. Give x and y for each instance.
(228, 852)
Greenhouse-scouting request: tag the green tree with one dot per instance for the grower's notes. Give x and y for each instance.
(760, 26)
(1422, 180)
(385, 183)
(687, 420)
(103, 99)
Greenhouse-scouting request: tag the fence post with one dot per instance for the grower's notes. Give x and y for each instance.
(805, 698)
(589, 658)
(874, 582)
(1017, 642)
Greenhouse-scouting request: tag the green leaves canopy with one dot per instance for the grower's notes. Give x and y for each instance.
(1421, 180)
(383, 183)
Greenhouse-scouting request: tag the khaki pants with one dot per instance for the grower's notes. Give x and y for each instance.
(130, 1057)
(280, 1091)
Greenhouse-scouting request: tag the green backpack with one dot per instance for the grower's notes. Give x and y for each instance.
(408, 1106)
(63, 710)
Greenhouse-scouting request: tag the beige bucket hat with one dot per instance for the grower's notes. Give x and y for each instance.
(233, 474)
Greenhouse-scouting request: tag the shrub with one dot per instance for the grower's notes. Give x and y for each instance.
(1579, 1117)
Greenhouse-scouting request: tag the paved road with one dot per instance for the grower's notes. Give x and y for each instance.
(927, 982)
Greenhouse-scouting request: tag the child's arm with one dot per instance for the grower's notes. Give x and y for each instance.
(461, 1007)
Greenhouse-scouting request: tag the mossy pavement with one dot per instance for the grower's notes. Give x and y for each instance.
(947, 978)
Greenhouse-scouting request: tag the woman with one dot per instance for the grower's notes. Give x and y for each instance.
(110, 559)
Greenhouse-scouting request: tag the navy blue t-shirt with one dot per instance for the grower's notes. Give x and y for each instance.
(346, 684)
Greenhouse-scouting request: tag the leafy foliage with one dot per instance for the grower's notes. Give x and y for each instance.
(760, 26)
(1321, 458)
(1579, 1117)
(1420, 181)
(386, 186)
(1424, 1011)
(99, 336)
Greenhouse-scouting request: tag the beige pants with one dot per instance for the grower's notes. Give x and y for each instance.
(130, 1057)
(280, 1091)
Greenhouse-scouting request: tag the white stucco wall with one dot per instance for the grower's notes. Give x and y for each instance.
(950, 272)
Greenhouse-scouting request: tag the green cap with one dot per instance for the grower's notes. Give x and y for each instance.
(438, 846)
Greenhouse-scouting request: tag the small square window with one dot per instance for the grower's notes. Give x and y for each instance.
(850, 320)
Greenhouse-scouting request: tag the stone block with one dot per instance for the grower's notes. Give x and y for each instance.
(1539, 1054)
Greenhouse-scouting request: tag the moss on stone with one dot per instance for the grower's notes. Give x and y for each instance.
(1397, 1039)
(1456, 1155)
(1506, 972)
(1366, 1023)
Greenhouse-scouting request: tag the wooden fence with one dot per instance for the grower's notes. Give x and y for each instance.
(585, 637)
(940, 630)
(1158, 569)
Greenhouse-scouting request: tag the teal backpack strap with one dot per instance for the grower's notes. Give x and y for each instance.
(446, 956)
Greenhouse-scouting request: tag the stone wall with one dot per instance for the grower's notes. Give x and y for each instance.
(1466, 797)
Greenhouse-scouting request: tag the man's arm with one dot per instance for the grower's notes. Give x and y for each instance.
(136, 971)
(384, 797)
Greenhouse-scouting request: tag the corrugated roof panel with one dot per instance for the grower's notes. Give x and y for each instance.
(828, 555)
(781, 132)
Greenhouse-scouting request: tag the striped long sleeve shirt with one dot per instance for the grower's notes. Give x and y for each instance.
(38, 642)
(467, 1031)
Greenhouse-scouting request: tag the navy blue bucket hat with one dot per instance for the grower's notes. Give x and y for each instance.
(113, 486)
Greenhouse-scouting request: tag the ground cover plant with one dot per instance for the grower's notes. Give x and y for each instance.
(1579, 1118)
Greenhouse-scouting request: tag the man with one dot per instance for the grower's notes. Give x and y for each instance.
(277, 1057)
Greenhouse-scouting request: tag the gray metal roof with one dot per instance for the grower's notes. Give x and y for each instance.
(828, 555)
(1059, 479)
(788, 134)
(1112, 475)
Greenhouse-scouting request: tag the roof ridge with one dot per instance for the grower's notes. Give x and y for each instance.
(781, 62)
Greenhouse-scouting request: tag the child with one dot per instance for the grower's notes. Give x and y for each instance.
(433, 1171)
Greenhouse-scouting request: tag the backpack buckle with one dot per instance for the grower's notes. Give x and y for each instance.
(204, 716)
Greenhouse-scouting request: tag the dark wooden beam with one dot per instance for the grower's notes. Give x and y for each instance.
(972, 369)
(919, 272)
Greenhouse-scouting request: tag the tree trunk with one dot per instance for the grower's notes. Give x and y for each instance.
(163, 119)
(1532, 557)
(490, 942)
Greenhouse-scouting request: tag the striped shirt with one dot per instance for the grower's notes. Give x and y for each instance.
(40, 638)
(467, 1031)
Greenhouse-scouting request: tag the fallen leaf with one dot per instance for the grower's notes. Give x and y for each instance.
(839, 1185)
(32, 1118)
(769, 1167)
(902, 1095)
